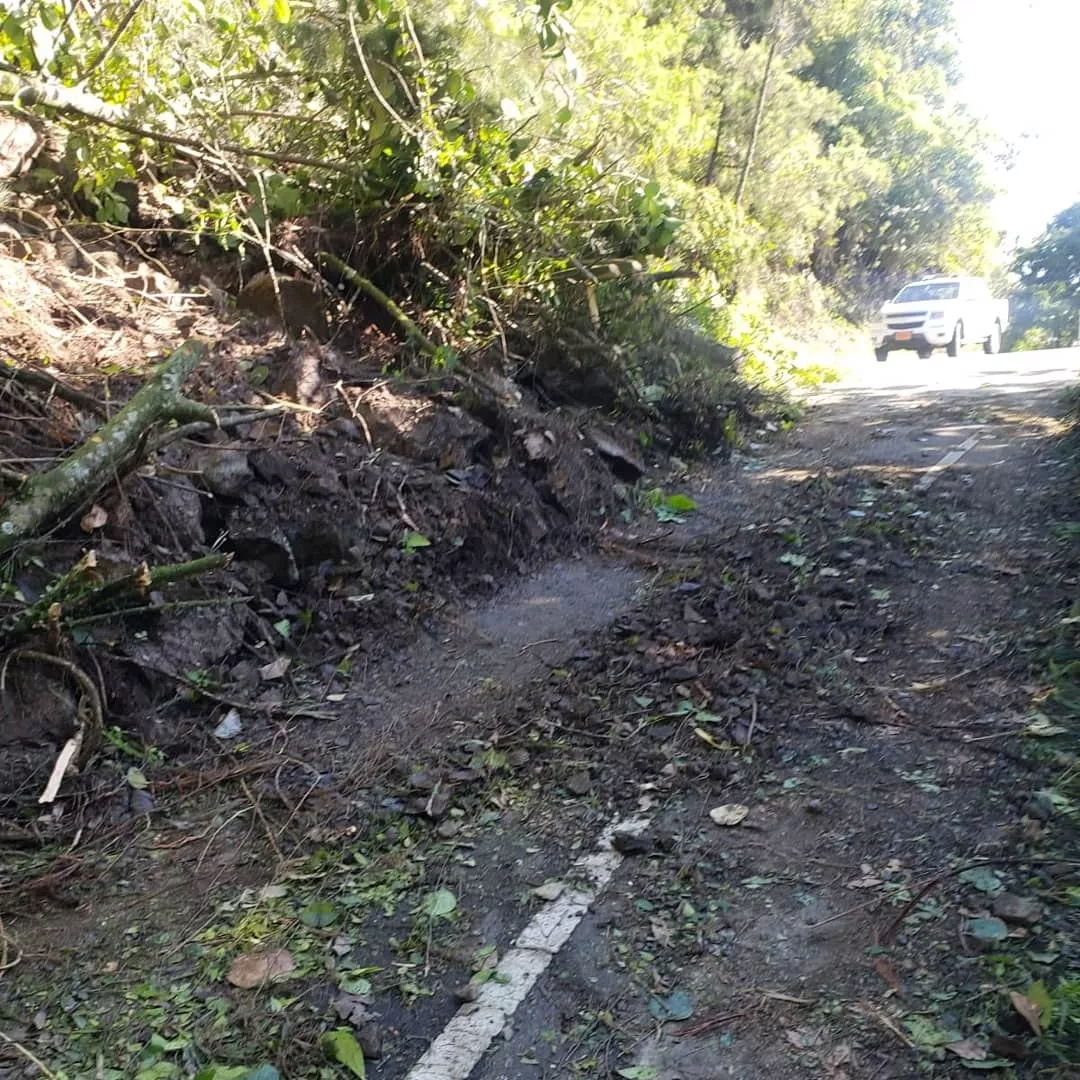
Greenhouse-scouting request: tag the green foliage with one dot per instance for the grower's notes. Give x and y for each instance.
(523, 147)
(1046, 304)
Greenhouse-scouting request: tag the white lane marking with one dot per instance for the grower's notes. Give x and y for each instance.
(462, 1043)
(951, 458)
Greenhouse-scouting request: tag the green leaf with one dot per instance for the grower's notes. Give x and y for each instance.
(319, 913)
(413, 540)
(638, 1072)
(284, 628)
(282, 11)
(439, 904)
(136, 778)
(676, 1006)
(341, 1046)
(1042, 997)
(681, 504)
(982, 878)
(791, 559)
(262, 1072)
(987, 929)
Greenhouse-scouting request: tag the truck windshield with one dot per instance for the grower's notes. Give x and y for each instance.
(929, 290)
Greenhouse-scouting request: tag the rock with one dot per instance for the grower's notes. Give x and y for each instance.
(142, 802)
(274, 468)
(682, 673)
(539, 445)
(467, 993)
(813, 806)
(623, 462)
(1017, 909)
(550, 890)
(369, 1036)
(19, 143)
(417, 428)
(424, 780)
(579, 784)
(448, 829)
(301, 302)
(226, 472)
(1040, 807)
(632, 843)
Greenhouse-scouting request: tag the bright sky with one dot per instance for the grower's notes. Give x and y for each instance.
(1021, 69)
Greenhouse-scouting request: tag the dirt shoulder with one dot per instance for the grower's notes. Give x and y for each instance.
(836, 659)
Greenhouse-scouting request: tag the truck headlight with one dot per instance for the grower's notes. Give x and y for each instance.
(937, 316)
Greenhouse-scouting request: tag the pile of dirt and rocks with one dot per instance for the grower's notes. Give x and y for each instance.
(355, 504)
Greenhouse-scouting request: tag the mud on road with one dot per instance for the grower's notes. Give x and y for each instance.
(810, 697)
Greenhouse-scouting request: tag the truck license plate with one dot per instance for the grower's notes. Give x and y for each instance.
(903, 335)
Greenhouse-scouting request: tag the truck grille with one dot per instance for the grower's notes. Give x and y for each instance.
(910, 320)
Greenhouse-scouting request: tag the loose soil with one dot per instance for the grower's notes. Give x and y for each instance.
(845, 660)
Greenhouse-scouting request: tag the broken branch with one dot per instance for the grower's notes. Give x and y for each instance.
(44, 498)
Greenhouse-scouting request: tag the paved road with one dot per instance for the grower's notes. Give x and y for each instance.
(970, 374)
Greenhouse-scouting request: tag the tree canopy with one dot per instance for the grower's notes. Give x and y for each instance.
(1047, 300)
(796, 155)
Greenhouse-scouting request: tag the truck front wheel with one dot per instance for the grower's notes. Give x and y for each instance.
(992, 344)
(954, 346)
(882, 355)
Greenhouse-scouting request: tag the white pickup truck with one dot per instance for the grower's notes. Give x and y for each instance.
(940, 311)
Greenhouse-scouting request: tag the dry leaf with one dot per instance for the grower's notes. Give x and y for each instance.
(805, 1038)
(839, 1055)
(94, 518)
(660, 931)
(729, 813)
(275, 669)
(968, 1049)
(1028, 1010)
(863, 882)
(884, 967)
(260, 967)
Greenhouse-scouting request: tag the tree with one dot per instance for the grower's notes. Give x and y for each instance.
(1047, 300)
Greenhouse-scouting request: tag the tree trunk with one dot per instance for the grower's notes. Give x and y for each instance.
(710, 169)
(758, 113)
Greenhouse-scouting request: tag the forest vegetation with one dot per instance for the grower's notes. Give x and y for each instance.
(697, 185)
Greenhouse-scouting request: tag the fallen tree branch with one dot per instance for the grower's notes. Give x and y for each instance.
(80, 594)
(41, 380)
(28, 92)
(412, 331)
(45, 497)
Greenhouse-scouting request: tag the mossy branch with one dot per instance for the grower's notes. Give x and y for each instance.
(412, 331)
(44, 498)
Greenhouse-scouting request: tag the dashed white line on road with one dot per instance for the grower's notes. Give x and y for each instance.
(455, 1052)
(951, 458)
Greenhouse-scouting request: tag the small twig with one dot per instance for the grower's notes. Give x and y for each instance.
(710, 1023)
(534, 644)
(42, 381)
(844, 914)
(753, 720)
(5, 941)
(288, 711)
(256, 805)
(45, 1070)
(155, 609)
